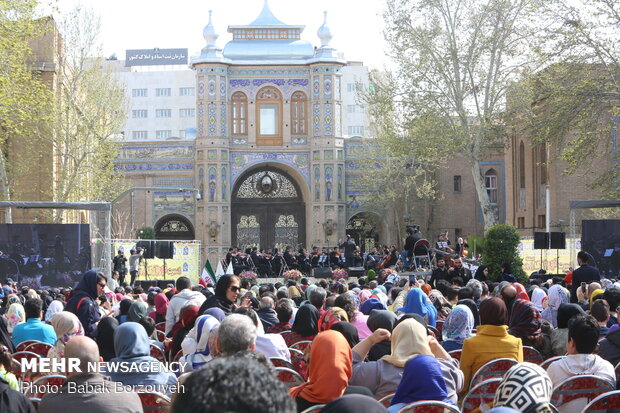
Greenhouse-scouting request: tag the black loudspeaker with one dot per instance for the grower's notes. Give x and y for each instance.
(558, 240)
(148, 247)
(356, 271)
(541, 240)
(164, 249)
(322, 272)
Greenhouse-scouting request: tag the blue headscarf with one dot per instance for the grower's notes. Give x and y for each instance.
(417, 303)
(372, 304)
(458, 324)
(422, 380)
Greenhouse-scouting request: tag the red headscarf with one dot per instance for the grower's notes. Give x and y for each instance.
(161, 303)
(330, 369)
(521, 293)
(188, 316)
(427, 289)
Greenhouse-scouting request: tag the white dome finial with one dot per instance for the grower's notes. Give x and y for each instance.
(209, 33)
(324, 33)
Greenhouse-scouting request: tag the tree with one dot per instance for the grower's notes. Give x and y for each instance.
(577, 98)
(89, 114)
(501, 244)
(454, 62)
(23, 96)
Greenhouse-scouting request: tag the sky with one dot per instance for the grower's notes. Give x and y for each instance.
(356, 25)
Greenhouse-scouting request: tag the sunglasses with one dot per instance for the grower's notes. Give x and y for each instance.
(234, 289)
(101, 285)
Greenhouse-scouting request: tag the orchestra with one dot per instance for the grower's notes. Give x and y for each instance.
(273, 262)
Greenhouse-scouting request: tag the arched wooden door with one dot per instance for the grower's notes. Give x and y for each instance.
(267, 210)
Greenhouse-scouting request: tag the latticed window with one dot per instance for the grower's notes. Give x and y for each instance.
(298, 113)
(267, 184)
(239, 114)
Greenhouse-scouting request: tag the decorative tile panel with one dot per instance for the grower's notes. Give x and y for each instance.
(241, 161)
(211, 87)
(251, 86)
(223, 88)
(316, 87)
(338, 119)
(212, 155)
(316, 119)
(201, 88)
(223, 120)
(327, 87)
(328, 118)
(201, 120)
(211, 119)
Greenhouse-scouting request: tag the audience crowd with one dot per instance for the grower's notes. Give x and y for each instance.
(365, 346)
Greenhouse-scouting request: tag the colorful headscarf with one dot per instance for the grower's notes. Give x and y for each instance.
(422, 380)
(594, 294)
(355, 298)
(409, 339)
(16, 315)
(426, 288)
(525, 320)
(458, 324)
(330, 369)
(521, 292)
(557, 296)
(364, 295)
(66, 325)
(332, 316)
(526, 387)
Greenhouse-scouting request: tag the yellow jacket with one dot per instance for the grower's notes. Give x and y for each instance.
(490, 343)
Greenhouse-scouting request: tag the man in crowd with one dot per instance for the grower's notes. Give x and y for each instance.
(459, 271)
(270, 345)
(439, 273)
(584, 274)
(349, 250)
(583, 336)
(284, 310)
(600, 312)
(184, 296)
(236, 333)
(120, 265)
(134, 264)
(266, 312)
(34, 328)
(109, 396)
(317, 299)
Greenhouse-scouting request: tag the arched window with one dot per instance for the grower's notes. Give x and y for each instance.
(299, 105)
(490, 182)
(269, 117)
(239, 114)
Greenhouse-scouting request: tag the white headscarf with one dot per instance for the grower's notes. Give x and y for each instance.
(557, 296)
(54, 307)
(538, 296)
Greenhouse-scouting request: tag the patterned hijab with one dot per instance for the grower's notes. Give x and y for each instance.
(538, 297)
(54, 307)
(557, 296)
(66, 325)
(16, 315)
(459, 324)
(526, 387)
(332, 316)
(525, 319)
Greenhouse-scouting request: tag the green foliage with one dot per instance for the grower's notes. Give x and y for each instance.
(145, 233)
(476, 244)
(501, 245)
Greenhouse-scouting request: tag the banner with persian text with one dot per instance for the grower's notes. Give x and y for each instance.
(532, 258)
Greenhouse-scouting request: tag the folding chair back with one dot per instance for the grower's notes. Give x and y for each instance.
(39, 348)
(301, 345)
(153, 401)
(46, 382)
(545, 364)
(278, 362)
(289, 377)
(578, 387)
(159, 336)
(439, 325)
(531, 355)
(435, 332)
(455, 354)
(604, 403)
(429, 407)
(22, 346)
(314, 409)
(387, 400)
(160, 327)
(482, 393)
(493, 369)
(157, 353)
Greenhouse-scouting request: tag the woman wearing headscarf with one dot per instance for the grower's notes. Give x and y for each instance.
(521, 292)
(205, 324)
(409, 339)
(481, 273)
(306, 325)
(54, 307)
(5, 337)
(491, 341)
(526, 323)
(538, 298)
(526, 388)
(363, 296)
(380, 319)
(66, 325)
(188, 314)
(124, 307)
(372, 304)
(350, 303)
(559, 336)
(223, 298)
(422, 380)
(469, 303)
(188, 345)
(83, 302)
(418, 303)
(137, 310)
(132, 348)
(16, 315)
(457, 328)
(557, 296)
(441, 304)
(105, 337)
(348, 331)
(161, 306)
(595, 294)
(332, 316)
(330, 371)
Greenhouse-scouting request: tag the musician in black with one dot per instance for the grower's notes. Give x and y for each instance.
(349, 248)
(303, 261)
(290, 259)
(439, 273)
(262, 266)
(334, 258)
(459, 271)
(357, 260)
(407, 253)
